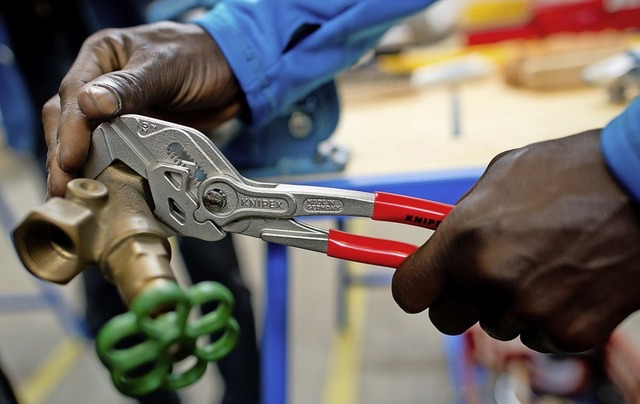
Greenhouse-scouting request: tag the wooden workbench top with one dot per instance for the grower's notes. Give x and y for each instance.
(402, 129)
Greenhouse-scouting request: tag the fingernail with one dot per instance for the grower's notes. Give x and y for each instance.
(104, 99)
(48, 193)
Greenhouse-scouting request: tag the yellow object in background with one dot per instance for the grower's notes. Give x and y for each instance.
(482, 14)
(412, 59)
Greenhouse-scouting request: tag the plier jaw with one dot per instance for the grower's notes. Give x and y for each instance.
(174, 159)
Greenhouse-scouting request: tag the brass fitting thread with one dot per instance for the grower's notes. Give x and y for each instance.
(105, 221)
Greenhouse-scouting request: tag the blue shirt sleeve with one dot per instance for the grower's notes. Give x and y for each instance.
(620, 141)
(280, 50)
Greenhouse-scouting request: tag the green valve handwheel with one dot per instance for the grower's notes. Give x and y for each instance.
(148, 347)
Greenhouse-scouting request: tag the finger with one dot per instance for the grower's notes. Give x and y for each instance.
(127, 91)
(578, 333)
(99, 101)
(57, 181)
(57, 178)
(74, 135)
(130, 89)
(540, 342)
(99, 55)
(418, 281)
(50, 120)
(565, 340)
(502, 328)
(74, 128)
(452, 316)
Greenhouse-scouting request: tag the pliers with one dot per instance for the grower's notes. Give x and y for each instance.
(197, 192)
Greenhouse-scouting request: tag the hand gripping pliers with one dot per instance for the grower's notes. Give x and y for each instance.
(198, 193)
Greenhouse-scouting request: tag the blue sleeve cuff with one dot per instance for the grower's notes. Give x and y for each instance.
(620, 141)
(243, 59)
(274, 65)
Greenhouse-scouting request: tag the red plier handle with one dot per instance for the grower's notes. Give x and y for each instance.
(388, 208)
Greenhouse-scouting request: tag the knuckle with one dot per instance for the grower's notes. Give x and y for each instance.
(578, 335)
(101, 36)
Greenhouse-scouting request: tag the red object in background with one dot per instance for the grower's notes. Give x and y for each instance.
(622, 363)
(558, 17)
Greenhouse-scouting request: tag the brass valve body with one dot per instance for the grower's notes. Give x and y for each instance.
(106, 221)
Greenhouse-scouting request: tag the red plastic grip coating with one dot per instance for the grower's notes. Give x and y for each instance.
(409, 210)
(367, 250)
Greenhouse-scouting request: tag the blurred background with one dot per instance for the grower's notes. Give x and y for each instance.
(443, 92)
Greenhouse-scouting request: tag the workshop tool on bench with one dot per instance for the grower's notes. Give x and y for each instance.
(618, 74)
(159, 170)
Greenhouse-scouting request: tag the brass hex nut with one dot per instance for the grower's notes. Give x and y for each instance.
(55, 240)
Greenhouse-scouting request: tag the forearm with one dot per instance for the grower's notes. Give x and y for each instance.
(282, 50)
(621, 148)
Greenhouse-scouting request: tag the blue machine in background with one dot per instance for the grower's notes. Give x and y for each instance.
(295, 142)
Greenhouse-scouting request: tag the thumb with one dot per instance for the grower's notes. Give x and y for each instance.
(99, 101)
(119, 92)
(419, 280)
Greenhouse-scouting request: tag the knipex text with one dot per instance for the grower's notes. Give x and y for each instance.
(422, 220)
(262, 203)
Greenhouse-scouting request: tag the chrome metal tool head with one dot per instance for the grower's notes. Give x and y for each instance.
(174, 159)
